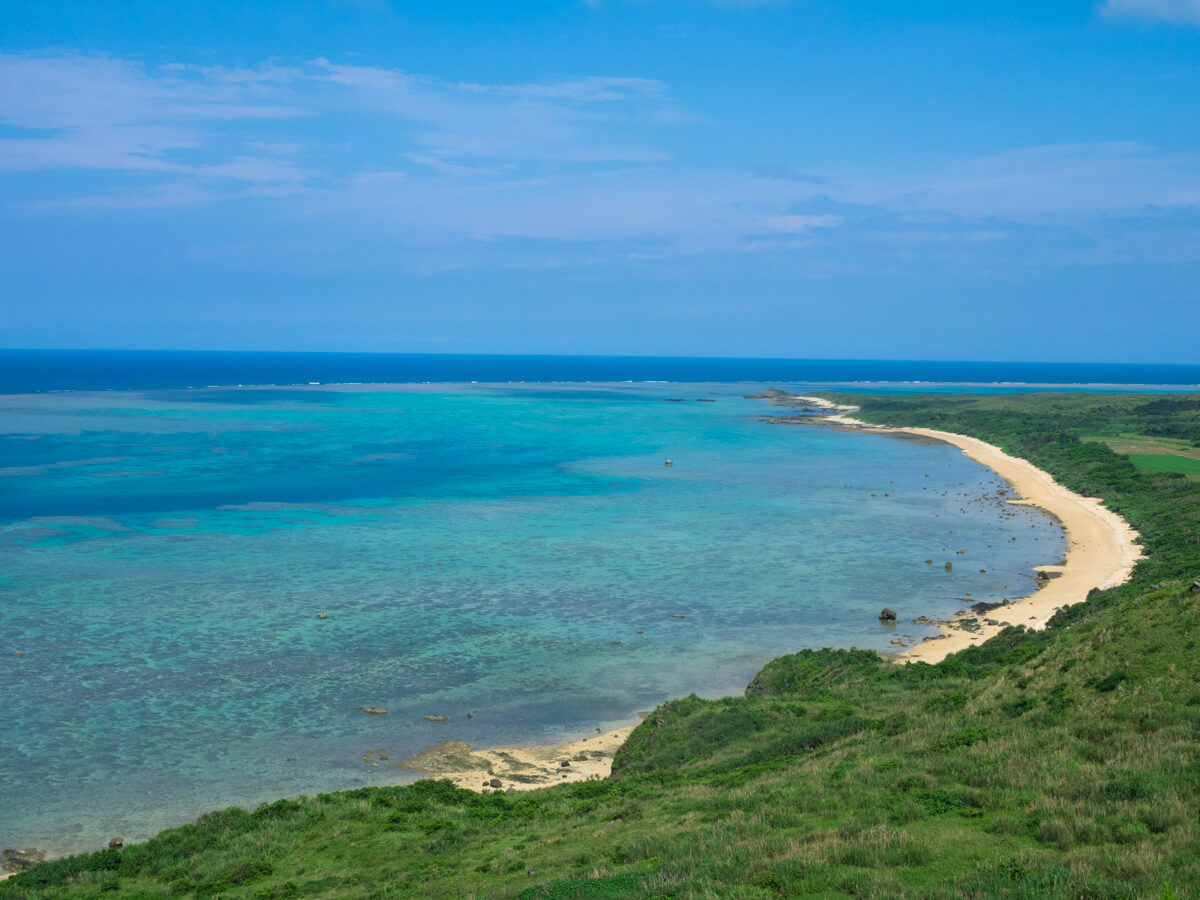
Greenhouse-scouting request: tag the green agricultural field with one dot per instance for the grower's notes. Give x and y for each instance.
(1056, 764)
(1164, 462)
(1128, 444)
(1156, 454)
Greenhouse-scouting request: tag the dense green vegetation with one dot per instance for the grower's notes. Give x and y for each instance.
(1062, 763)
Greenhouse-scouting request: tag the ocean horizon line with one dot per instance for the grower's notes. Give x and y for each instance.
(24, 370)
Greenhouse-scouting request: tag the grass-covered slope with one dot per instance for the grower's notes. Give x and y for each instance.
(1063, 763)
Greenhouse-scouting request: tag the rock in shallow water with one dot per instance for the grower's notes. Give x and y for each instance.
(448, 756)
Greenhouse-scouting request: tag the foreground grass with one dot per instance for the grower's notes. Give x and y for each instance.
(1063, 763)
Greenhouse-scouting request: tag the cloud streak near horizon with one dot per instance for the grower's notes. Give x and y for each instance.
(1186, 12)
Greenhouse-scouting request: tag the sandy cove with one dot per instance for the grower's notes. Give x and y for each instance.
(1102, 548)
(520, 768)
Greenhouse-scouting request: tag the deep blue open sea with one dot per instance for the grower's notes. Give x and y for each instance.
(23, 371)
(166, 548)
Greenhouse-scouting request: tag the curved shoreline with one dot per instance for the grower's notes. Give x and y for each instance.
(1102, 548)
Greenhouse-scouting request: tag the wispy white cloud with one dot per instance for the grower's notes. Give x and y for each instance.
(75, 91)
(98, 112)
(174, 193)
(440, 165)
(580, 90)
(373, 77)
(441, 174)
(1066, 180)
(793, 223)
(473, 122)
(1186, 12)
(101, 113)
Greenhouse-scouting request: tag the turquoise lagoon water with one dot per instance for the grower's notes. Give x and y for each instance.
(477, 550)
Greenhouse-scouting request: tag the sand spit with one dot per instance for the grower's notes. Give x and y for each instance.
(1102, 548)
(519, 768)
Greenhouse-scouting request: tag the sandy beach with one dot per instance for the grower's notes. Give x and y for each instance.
(520, 768)
(1102, 548)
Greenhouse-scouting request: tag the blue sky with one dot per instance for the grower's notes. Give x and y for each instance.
(991, 180)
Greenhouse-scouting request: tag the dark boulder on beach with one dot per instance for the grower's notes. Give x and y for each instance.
(983, 606)
(496, 783)
(887, 615)
(116, 843)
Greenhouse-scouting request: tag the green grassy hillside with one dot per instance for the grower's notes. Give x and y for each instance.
(1062, 763)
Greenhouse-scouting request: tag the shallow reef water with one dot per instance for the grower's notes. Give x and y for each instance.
(518, 553)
